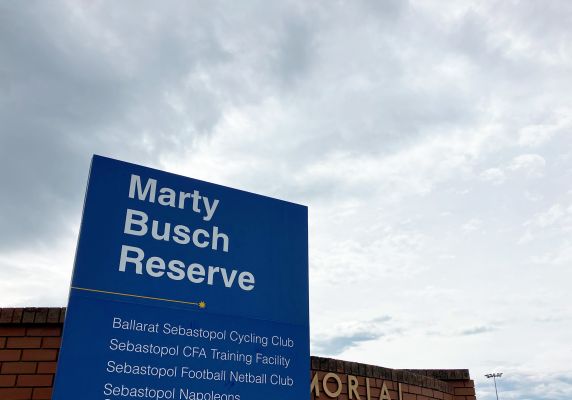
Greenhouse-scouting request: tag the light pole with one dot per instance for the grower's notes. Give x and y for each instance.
(495, 375)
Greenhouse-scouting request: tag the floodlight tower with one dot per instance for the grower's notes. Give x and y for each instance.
(495, 375)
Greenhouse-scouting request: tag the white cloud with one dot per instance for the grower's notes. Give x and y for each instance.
(527, 165)
(494, 175)
(560, 122)
(472, 225)
(532, 165)
(533, 196)
(547, 218)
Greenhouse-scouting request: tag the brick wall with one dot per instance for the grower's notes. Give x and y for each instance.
(29, 344)
(442, 384)
(30, 341)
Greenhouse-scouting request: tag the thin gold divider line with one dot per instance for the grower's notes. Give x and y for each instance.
(138, 296)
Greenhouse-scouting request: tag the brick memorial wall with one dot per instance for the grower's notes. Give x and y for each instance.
(343, 380)
(30, 341)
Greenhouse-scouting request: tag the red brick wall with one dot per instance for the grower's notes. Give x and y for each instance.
(464, 389)
(30, 341)
(439, 384)
(29, 345)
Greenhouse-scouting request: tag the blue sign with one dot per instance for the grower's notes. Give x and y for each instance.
(185, 290)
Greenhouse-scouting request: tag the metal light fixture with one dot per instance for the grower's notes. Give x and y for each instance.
(495, 375)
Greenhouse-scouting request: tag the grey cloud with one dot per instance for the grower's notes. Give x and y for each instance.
(295, 51)
(83, 78)
(364, 78)
(382, 318)
(50, 98)
(567, 379)
(550, 319)
(515, 384)
(477, 330)
(338, 344)
(472, 331)
(73, 87)
(351, 334)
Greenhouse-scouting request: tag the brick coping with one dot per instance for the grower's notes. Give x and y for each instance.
(32, 315)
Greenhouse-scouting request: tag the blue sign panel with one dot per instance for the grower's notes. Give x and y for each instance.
(185, 290)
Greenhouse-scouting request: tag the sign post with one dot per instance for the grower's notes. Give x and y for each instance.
(187, 290)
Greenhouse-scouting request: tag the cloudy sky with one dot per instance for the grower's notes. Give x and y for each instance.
(431, 140)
